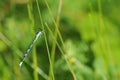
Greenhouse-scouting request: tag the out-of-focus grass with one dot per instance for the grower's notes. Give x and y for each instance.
(80, 42)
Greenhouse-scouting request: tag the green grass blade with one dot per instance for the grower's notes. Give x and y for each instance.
(29, 7)
(71, 70)
(51, 73)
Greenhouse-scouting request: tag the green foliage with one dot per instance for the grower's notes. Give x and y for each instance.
(80, 41)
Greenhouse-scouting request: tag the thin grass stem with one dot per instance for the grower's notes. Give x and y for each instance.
(55, 34)
(59, 34)
(29, 7)
(69, 66)
(51, 73)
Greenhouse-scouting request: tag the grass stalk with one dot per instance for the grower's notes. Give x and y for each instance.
(103, 43)
(107, 53)
(61, 39)
(69, 66)
(55, 34)
(29, 7)
(51, 73)
(102, 31)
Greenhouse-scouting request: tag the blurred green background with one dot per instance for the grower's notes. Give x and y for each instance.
(81, 39)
